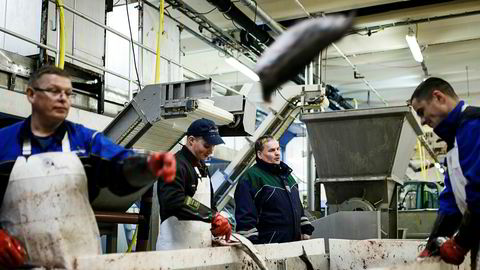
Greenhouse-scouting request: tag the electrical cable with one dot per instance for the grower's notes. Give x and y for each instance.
(233, 22)
(256, 8)
(205, 13)
(133, 48)
(289, 102)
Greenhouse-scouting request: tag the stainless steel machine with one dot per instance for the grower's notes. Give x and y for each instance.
(361, 158)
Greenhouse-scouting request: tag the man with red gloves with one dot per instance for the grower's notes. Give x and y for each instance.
(187, 206)
(50, 169)
(458, 124)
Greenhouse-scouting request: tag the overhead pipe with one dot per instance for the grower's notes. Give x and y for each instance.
(278, 29)
(333, 94)
(345, 57)
(274, 26)
(230, 10)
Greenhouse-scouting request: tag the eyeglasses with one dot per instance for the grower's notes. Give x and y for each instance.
(55, 92)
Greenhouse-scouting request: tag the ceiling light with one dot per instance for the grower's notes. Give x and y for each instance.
(242, 68)
(414, 47)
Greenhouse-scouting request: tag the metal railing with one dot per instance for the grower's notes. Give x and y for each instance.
(102, 67)
(140, 45)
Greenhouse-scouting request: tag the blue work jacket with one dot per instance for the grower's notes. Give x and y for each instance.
(461, 131)
(102, 159)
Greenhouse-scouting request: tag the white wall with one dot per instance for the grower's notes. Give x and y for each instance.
(22, 17)
(118, 51)
(235, 143)
(170, 48)
(3, 10)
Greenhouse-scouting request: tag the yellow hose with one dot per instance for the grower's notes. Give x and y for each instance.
(157, 80)
(134, 240)
(61, 57)
(159, 38)
(424, 164)
(438, 175)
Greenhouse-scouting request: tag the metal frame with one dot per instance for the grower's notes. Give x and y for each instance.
(206, 24)
(102, 68)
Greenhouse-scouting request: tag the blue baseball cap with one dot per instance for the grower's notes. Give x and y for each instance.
(206, 129)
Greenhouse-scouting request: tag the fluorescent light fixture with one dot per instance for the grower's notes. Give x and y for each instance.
(242, 68)
(414, 47)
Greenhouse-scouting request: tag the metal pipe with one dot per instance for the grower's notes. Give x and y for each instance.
(355, 69)
(140, 38)
(202, 38)
(413, 22)
(115, 32)
(274, 26)
(43, 46)
(101, 67)
(310, 178)
(229, 9)
(202, 21)
(345, 57)
(424, 68)
(115, 217)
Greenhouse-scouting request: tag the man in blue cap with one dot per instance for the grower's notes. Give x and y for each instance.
(187, 207)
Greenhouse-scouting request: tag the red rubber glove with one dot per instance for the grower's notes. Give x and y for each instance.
(12, 253)
(425, 253)
(163, 164)
(452, 253)
(221, 226)
(431, 247)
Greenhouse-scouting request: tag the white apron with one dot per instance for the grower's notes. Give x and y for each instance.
(178, 234)
(46, 207)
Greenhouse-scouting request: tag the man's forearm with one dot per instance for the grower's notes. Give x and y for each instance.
(136, 171)
(445, 225)
(468, 233)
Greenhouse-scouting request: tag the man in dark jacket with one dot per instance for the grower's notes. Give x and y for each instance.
(458, 124)
(267, 203)
(187, 206)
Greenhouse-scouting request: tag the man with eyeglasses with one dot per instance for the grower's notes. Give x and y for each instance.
(45, 161)
(187, 207)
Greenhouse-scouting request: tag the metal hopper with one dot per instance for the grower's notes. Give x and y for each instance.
(361, 156)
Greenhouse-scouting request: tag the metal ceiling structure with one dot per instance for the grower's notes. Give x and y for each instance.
(446, 34)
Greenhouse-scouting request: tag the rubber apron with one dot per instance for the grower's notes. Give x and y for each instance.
(46, 207)
(181, 234)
